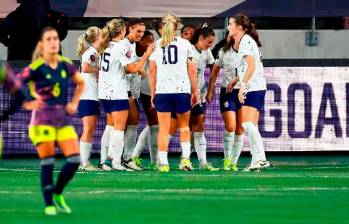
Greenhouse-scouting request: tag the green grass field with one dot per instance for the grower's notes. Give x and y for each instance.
(298, 190)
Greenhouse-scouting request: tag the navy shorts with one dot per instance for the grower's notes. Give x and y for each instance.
(88, 108)
(198, 109)
(114, 105)
(255, 99)
(229, 101)
(173, 102)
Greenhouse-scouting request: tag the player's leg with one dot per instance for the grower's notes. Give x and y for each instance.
(131, 135)
(105, 143)
(67, 140)
(43, 137)
(141, 142)
(164, 128)
(238, 139)
(89, 126)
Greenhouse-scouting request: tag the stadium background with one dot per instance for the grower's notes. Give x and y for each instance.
(305, 54)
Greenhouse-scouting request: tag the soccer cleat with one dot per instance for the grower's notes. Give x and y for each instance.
(60, 203)
(131, 165)
(153, 166)
(164, 168)
(186, 165)
(138, 161)
(104, 167)
(88, 167)
(260, 164)
(227, 164)
(208, 167)
(50, 210)
(119, 167)
(233, 167)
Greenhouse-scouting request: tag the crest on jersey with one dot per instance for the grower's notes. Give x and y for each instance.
(129, 54)
(226, 104)
(48, 76)
(93, 57)
(64, 74)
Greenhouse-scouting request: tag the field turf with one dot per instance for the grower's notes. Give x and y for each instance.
(312, 189)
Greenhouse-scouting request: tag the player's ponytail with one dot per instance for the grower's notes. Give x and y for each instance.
(86, 39)
(38, 49)
(170, 24)
(203, 31)
(112, 29)
(249, 27)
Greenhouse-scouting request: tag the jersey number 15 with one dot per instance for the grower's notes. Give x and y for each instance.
(104, 64)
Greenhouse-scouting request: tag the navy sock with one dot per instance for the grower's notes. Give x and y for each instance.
(47, 165)
(67, 173)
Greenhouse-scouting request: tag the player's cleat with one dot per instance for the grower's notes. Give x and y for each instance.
(227, 164)
(50, 210)
(260, 164)
(208, 167)
(120, 167)
(153, 166)
(132, 165)
(104, 167)
(138, 161)
(233, 167)
(164, 168)
(186, 165)
(60, 203)
(88, 167)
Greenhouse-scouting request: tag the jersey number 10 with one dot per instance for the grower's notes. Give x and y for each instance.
(172, 55)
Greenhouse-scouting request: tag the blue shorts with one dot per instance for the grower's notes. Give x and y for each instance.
(198, 109)
(229, 101)
(88, 108)
(173, 102)
(114, 105)
(255, 99)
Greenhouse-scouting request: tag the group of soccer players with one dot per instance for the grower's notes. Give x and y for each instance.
(121, 66)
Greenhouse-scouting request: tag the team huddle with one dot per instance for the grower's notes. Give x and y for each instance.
(122, 66)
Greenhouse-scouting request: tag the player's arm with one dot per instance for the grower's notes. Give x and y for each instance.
(87, 68)
(213, 78)
(152, 80)
(193, 79)
(137, 66)
(72, 107)
(251, 66)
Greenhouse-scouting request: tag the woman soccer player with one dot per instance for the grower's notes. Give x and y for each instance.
(173, 88)
(88, 45)
(116, 62)
(51, 125)
(136, 29)
(150, 132)
(253, 85)
(229, 103)
(201, 42)
(187, 32)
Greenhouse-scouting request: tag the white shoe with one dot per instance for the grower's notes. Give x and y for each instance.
(260, 164)
(132, 165)
(104, 167)
(119, 167)
(88, 167)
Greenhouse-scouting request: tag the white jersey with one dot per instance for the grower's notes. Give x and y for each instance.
(229, 62)
(145, 84)
(134, 80)
(172, 66)
(91, 57)
(249, 47)
(112, 82)
(202, 59)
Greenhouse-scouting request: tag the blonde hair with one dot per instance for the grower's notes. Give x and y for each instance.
(170, 23)
(86, 39)
(112, 29)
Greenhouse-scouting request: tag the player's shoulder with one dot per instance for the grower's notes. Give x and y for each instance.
(247, 39)
(35, 65)
(65, 60)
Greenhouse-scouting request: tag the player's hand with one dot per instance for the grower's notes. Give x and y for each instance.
(209, 96)
(143, 73)
(33, 105)
(231, 85)
(194, 99)
(242, 93)
(150, 50)
(71, 108)
(152, 98)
